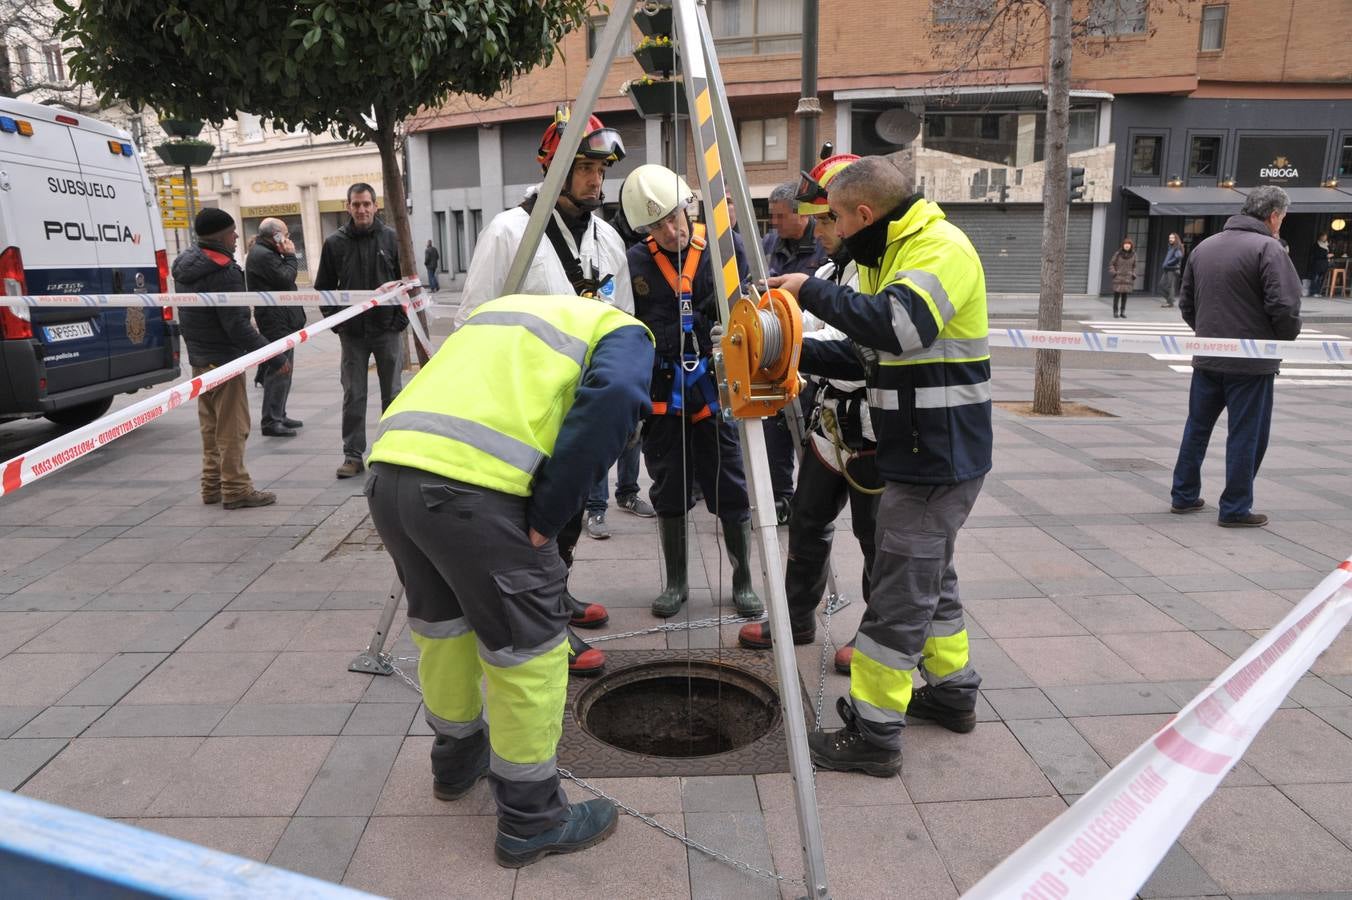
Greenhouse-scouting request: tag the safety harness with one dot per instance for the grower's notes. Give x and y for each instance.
(693, 375)
(585, 284)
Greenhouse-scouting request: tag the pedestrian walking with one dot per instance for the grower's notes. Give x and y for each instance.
(1239, 283)
(1321, 258)
(432, 262)
(1123, 269)
(271, 266)
(468, 491)
(1171, 273)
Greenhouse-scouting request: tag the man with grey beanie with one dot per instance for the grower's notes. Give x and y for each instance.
(1239, 283)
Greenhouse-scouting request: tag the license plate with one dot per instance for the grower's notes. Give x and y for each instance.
(68, 331)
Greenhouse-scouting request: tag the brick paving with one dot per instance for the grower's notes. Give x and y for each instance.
(183, 668)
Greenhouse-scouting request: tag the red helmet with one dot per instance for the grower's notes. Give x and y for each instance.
(812, 186)
(598, 141)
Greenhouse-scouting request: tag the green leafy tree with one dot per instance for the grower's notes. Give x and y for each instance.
(358, 67)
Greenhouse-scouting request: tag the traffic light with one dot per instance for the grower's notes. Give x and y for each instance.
(1075, 176)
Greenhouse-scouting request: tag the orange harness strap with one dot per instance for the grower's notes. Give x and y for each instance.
(692, 258)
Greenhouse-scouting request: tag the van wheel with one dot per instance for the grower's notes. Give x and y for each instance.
(75, 416)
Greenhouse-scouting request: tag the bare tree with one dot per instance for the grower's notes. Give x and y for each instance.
(33, 59)
(989, 39)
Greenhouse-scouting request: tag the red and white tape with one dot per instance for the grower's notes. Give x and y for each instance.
(1111, 840)
(55, 454)
(230, 298)
(1172, 345)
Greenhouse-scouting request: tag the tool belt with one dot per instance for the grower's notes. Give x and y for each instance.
(677, 390)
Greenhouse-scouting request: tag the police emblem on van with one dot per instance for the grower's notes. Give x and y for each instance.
(136, 324)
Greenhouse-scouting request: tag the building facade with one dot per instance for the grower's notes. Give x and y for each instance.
(1246, 72)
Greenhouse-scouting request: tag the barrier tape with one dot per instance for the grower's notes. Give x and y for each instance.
(1173, 345)
(62, 451)
(222, 298)
(1111, 840)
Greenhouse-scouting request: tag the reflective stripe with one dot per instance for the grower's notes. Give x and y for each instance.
(510, 771)
(947, 628)
(944, 349)
(447, 728)
(886, 399)
(902, 326)
(450, 628)
(930, 284)
(866, 710)
(893, 659)
(952, 395)
(945, 656)
(555, 339)
(509, 450)
(510, 656)
(966, 674)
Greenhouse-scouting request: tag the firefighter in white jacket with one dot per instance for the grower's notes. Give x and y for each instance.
(578, 254)
(838, 462)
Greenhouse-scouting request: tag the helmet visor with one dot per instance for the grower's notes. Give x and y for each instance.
(809, 191)
(604, 143)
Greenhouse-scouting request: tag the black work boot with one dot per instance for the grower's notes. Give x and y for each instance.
(583, 614)
(676, 589)
(583, 659)
(457, 765)
(737, 538)
(847, 750)
(925, 705)
(587, 824)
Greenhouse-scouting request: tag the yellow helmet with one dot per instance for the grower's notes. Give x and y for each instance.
(812, 187)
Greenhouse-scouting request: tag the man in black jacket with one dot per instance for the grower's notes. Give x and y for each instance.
(1238, 284)
(271, 266)
(216, 335)
(361, 256)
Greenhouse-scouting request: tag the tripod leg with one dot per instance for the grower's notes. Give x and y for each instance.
(372, 661)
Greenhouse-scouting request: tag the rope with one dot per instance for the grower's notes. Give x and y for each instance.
(772, 337)
(831, 428)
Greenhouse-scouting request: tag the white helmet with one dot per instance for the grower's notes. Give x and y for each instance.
(651, 193)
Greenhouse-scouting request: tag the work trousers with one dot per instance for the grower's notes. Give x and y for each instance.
(1248, 401)
(483, 604)
(914, 616)
(822, 494)
(678, 453)
(276, 389)
(223, 418)
(780, 453)
(626, 481)
(388, 349)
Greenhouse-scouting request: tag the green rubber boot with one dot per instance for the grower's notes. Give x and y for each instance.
(677, 587)
(737, 538)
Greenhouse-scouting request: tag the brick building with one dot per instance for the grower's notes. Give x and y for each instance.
(1197, 89)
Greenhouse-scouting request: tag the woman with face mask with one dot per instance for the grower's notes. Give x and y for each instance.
(1123, 269)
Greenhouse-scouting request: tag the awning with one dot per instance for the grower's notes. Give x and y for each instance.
(1188, 201)
(1315, 199)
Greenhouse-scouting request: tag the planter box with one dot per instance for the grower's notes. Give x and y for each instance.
(655, 101)
(659, 22)
(182, 128)
(661, 61)
(186, 153)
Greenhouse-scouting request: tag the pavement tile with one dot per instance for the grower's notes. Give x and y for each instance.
(201, 678)
(1253, 839)
(345, 630)
(1169, 655)
(898, 851)
(82, 578)
(95, 632)
(243, 776)
(1232, 642)
(162, 602)
(408, 788)
(1064, 756)
(303, 677)
(39, 679)
(647, 795)
(1020, 703)
(1112, 613)
(1327, 804)
(1178, 875)
(111, 681)
(159, 720)
(1340, 717)
(973, 836)
(61, 722)
(720, 793)
(833, 789)
(116, 777)
(609, 869)
(383, 718)
(939, 765)
(1112, 699)
(1022, 617)
(1296, 746)
(17, 628)
(318, 847)
(1060, 661)
(997, 669)
(1337, 659)
(251, 837)
(742, 836)
(271, 600)
(21, 757)
(1245, 609)
(241, 631)
(1313, 691)
(1114, 737)
(12, 718)
(351, 779)
(426, 857)
(154, 578)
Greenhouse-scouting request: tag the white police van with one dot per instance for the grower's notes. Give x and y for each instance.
(77, 216)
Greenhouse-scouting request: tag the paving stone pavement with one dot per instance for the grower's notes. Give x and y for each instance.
(183, 668)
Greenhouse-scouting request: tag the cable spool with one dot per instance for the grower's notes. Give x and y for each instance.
(760, 353)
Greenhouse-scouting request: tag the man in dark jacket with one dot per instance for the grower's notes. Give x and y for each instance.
(432, 260)
(361, 256)
(216, 335)
(1239, 283)
(271, 266)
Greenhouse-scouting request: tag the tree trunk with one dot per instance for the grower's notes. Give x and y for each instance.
(1051, 300)
(396, 208)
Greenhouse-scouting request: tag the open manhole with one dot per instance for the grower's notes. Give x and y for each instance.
(676, 709)
(677, 712)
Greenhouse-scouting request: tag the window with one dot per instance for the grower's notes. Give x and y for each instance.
(597, 25)
(1117, 17)
(753, 27)
(764, 140)
(1345, 158)
(1204, 157)
(250, 128)
(462, 243)
(137, 128)
(25, 64)
(56, 65)
(961, 12)
(1213, 27)
(6, 76)
(1083, 130)
(1146, 153)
